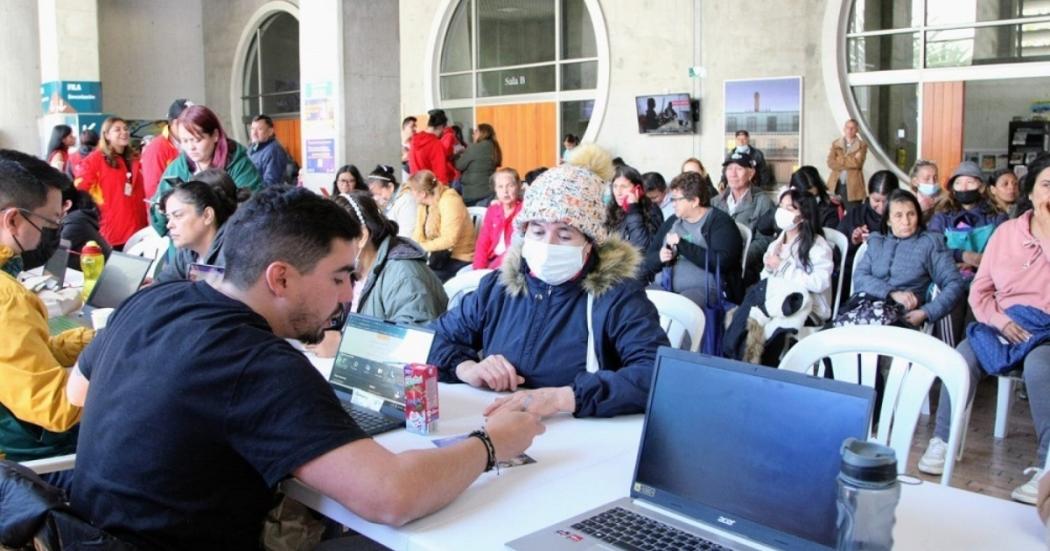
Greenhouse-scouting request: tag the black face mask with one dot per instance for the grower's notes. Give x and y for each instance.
(968, 197)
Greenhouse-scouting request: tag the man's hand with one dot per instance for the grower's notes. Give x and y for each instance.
(327, 347)
(541, 401)
(672, 238)
(1015, 333)
(666, 254)
(494, 372)
(906, 299)
(512, 432)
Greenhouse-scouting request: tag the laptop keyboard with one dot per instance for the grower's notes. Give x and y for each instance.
(371, 423)
(632, 531)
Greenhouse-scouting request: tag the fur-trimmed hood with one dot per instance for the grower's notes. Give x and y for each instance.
(617, 261)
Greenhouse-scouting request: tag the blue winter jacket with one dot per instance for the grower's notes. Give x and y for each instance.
(542, 330)
(271, 160)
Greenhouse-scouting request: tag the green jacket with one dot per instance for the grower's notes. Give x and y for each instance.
(238, 165)
(400, 287)
(476, 166)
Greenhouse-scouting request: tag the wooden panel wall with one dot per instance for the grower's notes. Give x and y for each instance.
(526, 132)
(942, 125)
(288, 133)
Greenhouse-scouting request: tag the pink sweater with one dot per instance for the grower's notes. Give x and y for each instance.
(1013, 271)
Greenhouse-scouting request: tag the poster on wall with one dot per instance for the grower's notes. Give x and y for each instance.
(770, 110)
(320, 156)
(319, 102)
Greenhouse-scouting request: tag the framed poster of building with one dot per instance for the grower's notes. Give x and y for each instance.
(770, 110)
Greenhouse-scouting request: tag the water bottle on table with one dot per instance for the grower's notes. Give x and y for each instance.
(91, 264)
(868, 492)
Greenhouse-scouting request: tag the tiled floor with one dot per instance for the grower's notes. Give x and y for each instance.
(989, 466)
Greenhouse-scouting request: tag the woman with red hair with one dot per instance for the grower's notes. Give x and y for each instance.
(204, 145)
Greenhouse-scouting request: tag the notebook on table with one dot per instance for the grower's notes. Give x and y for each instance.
(729, 452)
(368, 372)
(122, 275)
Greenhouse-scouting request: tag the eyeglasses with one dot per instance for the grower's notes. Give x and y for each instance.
(677, 199)
(48, 223)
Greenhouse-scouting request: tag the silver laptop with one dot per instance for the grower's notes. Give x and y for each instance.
(729, 452)
(122, 275)
(368, 373)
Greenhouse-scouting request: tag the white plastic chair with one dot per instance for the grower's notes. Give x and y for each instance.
(840, 242)
(462, 284)
(1007, 389)
(679, 317)
(745, 235)
(145, 234)
(477, 216)
(861, 251)
(917, 359)
(52, 464)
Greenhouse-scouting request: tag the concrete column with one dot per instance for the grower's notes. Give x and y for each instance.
(70, 90)
(323, 112)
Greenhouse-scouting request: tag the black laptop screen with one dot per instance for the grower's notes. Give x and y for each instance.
(373, 353)
(121, 277)
(761, 447)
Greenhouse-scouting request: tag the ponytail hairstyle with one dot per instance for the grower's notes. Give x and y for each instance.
(211, 188)
(384, 174)
(424, 181)
(199, 121)
(486, 132)
(366, 212)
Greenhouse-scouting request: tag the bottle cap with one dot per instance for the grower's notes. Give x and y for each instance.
(868, 464)
(91, 248)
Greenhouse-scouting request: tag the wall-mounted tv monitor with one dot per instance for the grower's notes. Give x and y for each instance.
(664, 114)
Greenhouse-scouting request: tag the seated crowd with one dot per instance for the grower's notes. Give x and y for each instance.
(572, 251)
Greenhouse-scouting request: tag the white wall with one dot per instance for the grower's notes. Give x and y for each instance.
(150, 53)
(20, 65)
(989, 106)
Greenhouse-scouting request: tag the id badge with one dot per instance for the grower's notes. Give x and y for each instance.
(127, 190)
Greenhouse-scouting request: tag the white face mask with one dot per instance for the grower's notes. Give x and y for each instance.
(928, 190)
(785, 219)
(552, 264)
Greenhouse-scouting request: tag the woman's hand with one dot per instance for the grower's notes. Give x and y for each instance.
(859, 235)
(327, 347)
(1015, 333)
(915, 318)
(494, 372)
(666, 254)
(541, 401)
(907, 299)
(972, 258)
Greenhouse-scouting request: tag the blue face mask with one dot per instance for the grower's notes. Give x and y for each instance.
(928, 190)
(743, 148)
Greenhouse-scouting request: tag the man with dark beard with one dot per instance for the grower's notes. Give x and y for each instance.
(198, 406)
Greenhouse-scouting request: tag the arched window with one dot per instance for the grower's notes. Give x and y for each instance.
(993, 54)
(271, 70)
(506, 52)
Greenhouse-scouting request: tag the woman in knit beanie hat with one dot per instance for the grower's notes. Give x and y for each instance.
(531, 319)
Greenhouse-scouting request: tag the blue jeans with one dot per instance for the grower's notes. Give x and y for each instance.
(1036, 373)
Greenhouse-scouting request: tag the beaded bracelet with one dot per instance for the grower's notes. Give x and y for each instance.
(489, 447)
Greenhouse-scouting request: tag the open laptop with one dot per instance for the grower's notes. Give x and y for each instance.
(368, 373)
(122, 275)
(58, 263)
(730, 453)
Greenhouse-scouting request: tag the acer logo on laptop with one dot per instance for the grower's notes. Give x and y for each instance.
(726, 520)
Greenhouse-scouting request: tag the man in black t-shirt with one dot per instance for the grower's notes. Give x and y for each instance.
(198, 406)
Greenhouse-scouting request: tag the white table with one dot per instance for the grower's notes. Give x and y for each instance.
(583, 463)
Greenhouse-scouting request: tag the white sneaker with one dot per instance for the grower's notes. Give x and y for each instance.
(1027, 492)
(932, 461)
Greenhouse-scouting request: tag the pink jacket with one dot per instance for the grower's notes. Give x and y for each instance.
(496, 226)
(1013, 271)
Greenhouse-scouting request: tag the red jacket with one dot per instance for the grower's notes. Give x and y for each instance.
(118, 192)
(495, 227)
(427, 152)
(155, 160)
